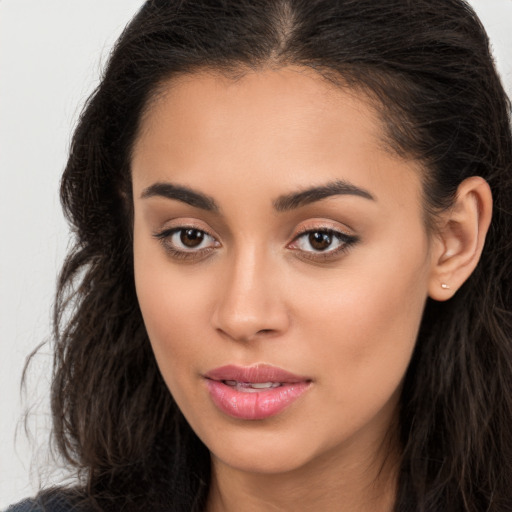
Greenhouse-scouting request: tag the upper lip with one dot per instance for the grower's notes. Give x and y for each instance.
(252, 374)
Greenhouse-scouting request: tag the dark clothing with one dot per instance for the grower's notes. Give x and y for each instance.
(56, 502)
(32, 506)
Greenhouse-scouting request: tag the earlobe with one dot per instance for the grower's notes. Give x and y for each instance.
(460, 238)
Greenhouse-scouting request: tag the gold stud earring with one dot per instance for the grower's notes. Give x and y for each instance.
(444, 286)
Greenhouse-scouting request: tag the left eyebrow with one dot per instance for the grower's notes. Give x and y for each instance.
(311, 195)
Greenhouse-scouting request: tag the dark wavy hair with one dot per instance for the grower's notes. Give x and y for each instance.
(427, 67)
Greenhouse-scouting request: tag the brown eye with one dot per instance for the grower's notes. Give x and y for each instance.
(191, 238)
(322, 245)
(187, 243)
(320, 241)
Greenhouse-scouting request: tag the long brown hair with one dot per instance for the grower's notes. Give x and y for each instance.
(427, 65)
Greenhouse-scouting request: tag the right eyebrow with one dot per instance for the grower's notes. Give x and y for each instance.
(181, 193)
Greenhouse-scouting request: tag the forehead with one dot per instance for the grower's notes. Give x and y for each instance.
(208, 101)
(286, 127)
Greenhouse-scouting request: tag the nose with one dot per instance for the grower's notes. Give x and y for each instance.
(250, 304)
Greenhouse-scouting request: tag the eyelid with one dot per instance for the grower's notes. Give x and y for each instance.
(322, 225)
(165, 234)
(184, 223)
(346, 241)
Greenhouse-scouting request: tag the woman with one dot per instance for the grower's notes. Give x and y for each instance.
(286, 291)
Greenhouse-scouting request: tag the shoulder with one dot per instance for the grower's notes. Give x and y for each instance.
(48, 502)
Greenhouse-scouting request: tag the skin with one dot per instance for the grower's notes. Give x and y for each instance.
(258, 292)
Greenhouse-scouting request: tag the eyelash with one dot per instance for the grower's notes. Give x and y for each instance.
(165, 238)
(345, 240)
(345, 243)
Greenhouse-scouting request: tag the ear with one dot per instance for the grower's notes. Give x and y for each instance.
(460, 238)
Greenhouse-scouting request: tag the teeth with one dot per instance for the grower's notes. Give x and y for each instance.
(264, 385)
(253, 385)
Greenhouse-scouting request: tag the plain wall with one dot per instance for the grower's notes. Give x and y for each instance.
(51, 53)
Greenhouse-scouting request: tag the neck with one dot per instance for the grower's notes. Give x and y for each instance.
(355, 485)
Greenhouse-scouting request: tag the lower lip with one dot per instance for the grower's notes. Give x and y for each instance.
(254, 405)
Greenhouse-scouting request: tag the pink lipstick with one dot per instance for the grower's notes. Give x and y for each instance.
(254, 392)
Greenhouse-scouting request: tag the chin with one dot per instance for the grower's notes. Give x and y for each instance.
(279, 460)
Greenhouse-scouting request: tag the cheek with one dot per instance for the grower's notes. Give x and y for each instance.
(175, 330)
(172, 309)
(364, 345)
(365, 322)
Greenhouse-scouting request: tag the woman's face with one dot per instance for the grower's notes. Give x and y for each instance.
(281, 265)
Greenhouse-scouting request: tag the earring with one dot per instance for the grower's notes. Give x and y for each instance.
(444, 286)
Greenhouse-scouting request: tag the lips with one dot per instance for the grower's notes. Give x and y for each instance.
(255, 392)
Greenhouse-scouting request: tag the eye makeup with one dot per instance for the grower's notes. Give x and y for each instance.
(322, 243)
(318, 243)
(187, 242)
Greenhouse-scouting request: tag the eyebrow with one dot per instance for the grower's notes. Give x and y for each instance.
(304, 197)
(181, 193)
(283, 203)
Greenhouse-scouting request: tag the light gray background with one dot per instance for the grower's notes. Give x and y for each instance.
(51, 52)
